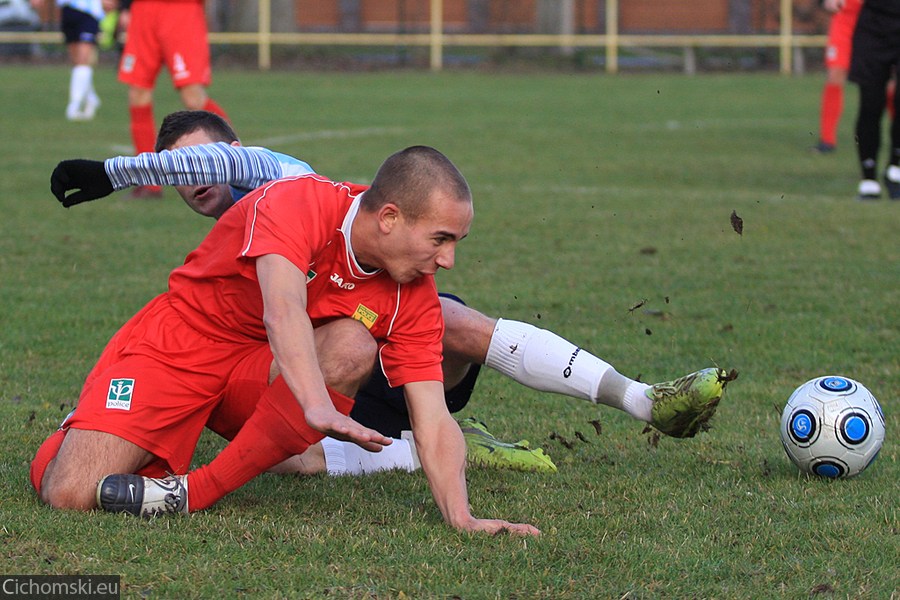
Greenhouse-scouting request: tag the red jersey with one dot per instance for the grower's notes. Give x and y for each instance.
(307, 220)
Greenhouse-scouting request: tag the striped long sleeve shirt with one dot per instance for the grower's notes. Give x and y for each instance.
(244, 168)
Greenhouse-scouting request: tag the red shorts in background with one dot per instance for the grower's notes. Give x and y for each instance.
(170, 33)
(840, 36)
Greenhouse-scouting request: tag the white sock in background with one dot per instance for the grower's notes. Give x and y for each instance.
(80, 85)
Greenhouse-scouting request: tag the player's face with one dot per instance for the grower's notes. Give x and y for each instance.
(421, 247)
(207, 200)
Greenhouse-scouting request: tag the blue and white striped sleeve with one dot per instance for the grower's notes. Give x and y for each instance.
(244, 168)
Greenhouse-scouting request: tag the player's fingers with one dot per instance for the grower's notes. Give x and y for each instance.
(367, 438)
(371, 446)
(75, 198)
(345, 428)
(59, 182)
(497, 526)
(522, 529)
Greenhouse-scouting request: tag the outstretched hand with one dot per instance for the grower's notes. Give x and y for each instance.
(341, 427)
(87, 176)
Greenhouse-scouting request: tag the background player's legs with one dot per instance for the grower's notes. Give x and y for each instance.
(143, 129)
(83, 100)
(832, 106)
(195, 97)
(892, 173)
(143, 132)
(872, 98)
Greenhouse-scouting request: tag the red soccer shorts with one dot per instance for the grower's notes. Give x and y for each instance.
(170, 33)
(158, 381)
(840, 36)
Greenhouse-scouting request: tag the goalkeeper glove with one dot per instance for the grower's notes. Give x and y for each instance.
(88, 177)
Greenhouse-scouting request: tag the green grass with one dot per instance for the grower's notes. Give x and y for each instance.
(592, 194)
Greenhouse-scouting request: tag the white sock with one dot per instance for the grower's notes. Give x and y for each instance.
(346, 458)
(546, 362)
(893, 173)
(636, 403)
(80, 85)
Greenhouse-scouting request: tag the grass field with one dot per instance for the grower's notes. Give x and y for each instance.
(592, 194)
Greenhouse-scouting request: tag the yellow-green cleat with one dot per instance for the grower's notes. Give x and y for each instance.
(683, 407)
(483, 449)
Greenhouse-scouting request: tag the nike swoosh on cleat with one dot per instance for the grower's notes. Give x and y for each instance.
(131, 491)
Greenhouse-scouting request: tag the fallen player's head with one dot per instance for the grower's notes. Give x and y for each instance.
(183, 122)
(192, 128)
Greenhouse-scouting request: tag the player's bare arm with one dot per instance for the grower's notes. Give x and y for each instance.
(291, 337)
(442, 452)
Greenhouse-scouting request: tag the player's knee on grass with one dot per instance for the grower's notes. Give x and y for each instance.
(84, 457)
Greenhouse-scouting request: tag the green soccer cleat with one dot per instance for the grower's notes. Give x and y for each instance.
(683, 407)
(483, 449)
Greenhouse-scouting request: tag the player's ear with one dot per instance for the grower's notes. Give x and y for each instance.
(236, 143)
(388, 216)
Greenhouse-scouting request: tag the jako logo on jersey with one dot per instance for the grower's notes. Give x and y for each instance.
(340, 282)
(119, 396)
(567, 372)
(364, 315)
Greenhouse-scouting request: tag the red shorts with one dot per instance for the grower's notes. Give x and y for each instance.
(158, 382)
(161, 32)
(840, 36)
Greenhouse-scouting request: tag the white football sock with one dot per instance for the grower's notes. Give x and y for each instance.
(80, 84)
(546, 362)
(346, 458)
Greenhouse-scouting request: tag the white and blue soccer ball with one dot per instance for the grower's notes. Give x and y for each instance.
(832, 426)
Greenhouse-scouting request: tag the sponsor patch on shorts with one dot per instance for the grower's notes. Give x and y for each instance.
(128, 63)
(120, 392)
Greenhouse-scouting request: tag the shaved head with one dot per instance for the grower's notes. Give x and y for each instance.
(410, 178)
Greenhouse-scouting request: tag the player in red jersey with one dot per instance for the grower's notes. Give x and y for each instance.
(323, 275)
(837, 64)
(163, 32)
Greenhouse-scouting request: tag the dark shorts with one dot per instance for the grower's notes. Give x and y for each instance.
(383, 408)
(876, 48)
(78, 26)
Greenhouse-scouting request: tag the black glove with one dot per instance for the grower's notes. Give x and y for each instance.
(87, 176)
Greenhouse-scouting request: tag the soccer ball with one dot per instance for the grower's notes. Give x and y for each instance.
(832, 426)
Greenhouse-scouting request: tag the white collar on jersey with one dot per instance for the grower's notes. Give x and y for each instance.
(346, 228)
